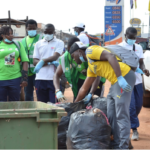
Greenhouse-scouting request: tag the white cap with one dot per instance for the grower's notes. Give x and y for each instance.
(80, 25)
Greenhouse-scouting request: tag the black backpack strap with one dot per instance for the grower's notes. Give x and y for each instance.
(134, 47)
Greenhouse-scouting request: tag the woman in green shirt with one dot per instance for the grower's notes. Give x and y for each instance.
(12, 78)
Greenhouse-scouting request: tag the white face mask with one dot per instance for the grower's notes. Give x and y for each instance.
(48, 37)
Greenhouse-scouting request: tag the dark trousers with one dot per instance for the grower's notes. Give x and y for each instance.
(136, 105)
(29, 90)
(11, 89)
(45, 91)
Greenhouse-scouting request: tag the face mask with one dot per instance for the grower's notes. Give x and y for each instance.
(7, 41)
(81, 58)
(76, 33)
(131, 42)
(48, 37)
(32, 33)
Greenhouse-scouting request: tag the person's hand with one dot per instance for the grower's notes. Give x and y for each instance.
(60, 96)
(123, 84)
(24, 84)
(87, 98)
(138, 70)
(56, 63)
(38, 66)
(146, 72)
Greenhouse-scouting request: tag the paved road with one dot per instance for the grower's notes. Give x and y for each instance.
(144, 129)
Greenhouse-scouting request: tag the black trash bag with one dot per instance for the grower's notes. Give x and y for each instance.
(64, 123)
(100, 103)
(88, 129)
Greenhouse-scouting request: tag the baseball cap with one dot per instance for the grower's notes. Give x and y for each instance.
(80, 25)
(76, 46)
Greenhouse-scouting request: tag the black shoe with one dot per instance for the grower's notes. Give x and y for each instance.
(130, 144)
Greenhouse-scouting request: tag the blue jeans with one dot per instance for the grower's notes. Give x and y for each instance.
(136, 105)
(29, 90)
(10, 88)
(45, 91)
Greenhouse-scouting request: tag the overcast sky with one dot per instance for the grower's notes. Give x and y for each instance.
(65, 13)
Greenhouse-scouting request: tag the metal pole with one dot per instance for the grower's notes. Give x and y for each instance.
(109, 39)
(9, 22)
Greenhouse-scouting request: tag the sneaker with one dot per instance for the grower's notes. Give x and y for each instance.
(135, 135)
(130, 145)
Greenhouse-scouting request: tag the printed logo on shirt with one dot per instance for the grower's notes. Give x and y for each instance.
(10, 49)
(136, 50)
(34, 44)
(67, 68)
(10, 59)
(53, 48)
(79, 66)
(1, 50)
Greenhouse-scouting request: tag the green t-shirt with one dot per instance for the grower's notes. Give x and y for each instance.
(9, 64)
(29, 41)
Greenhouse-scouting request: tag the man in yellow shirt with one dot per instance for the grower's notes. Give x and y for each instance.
(103, 63)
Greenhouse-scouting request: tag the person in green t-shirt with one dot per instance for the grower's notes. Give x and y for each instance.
(75, 74)
(12, 78)
(29, 42)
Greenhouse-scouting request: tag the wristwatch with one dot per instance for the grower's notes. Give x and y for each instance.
(57, 90)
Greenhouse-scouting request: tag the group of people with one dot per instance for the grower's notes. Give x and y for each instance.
(39, 62)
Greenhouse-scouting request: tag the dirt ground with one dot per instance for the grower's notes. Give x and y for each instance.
(144, 117)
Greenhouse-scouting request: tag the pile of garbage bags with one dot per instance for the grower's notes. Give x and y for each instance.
(82, 128)
(88, 129)
(64, 123)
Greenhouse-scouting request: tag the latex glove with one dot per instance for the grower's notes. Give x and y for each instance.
(87, 98)
(123, 84)
(138, 70)
(49, 63)
(60, 96)
(56, 63)
(38, 66)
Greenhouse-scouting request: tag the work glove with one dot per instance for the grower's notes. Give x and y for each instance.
(123, 84)
(56, 63)
(87, 98)
(38, 66)
(49, 63)
(138, 70)
(60, 96)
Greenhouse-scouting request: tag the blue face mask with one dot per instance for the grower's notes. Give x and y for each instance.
(81, 58)
(76, 33)
(7, 41)
(32, 33)
(131, 42)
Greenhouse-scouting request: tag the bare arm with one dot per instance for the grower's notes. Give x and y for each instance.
(111, 58)
(25, 66)
(57, 76)
(95, 85)
(142, 67)
(35, 61)
(52, 58)
(85, 87)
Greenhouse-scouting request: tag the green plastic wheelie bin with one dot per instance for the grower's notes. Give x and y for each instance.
(29, 125)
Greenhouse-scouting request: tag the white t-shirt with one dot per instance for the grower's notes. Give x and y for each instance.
(44, 49)
(139, 53)
(83, 38)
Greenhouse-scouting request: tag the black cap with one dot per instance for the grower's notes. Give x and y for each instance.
(76, 46)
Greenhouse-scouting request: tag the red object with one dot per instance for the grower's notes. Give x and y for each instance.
(121, 90)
